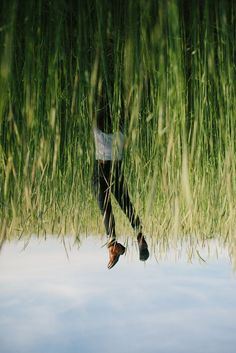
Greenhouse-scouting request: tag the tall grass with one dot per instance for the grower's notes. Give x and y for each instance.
(174, 68)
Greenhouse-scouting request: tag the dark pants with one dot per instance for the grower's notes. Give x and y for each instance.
(108, 178)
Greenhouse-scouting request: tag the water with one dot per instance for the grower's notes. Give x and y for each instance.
(52, 300)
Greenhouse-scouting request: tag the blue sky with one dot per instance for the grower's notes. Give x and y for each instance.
(49, 303)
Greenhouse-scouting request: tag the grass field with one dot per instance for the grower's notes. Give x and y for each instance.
(174, 68)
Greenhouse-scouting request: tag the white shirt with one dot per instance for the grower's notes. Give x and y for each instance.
(108, 146)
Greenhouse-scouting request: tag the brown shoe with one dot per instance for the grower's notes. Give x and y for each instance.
(143, 247)
(115, 250)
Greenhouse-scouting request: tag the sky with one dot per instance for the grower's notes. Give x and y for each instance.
(51, 301)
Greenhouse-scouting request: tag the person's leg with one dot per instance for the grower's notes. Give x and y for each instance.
(102, 191)
(120, 191)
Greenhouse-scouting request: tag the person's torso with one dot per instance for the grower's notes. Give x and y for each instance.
(109, 146)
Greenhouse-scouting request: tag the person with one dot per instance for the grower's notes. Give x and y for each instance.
(108, 178)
